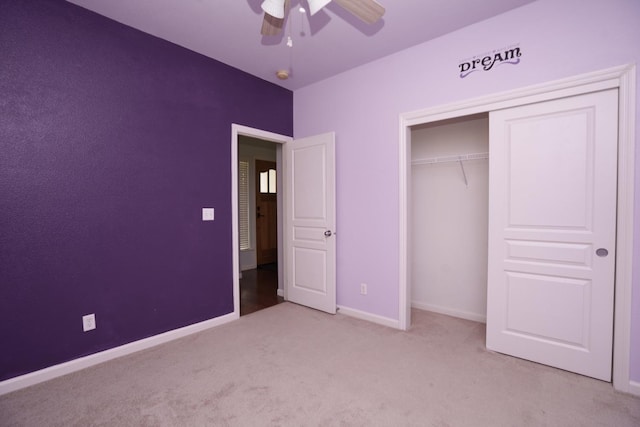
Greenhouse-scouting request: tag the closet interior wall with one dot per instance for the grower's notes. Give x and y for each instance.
(449, 216)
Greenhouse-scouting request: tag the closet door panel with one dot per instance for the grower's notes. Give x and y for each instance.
(552, 210)
(550, 166)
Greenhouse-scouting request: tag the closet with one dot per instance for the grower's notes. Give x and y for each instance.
(527, 241)
(449, 216)
(557, 232)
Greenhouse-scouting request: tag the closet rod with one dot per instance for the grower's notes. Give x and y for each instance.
(445, 159)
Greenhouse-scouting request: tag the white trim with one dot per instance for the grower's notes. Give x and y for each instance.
(373, 318)
(55, 371)
(623, 78)
(280, 208)
(625, 226)
(634, 388)
(449, 311)
(235, 230)
(404, 285)
(237, 130)
(584, 83)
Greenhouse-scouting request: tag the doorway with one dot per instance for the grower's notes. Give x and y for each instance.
(449, 225)
(620, 78)
(266, 188)
(258, 225)
(522, 177)
(306, 169)
(259, 285)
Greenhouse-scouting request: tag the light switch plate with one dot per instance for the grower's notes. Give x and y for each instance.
(208, 214)
(89, 322)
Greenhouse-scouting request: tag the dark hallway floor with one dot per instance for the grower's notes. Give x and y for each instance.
(259, 289)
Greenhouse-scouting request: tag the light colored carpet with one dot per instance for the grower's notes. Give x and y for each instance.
(289, 365)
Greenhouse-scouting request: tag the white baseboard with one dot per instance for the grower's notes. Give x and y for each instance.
(17, 383)
(280, 292)
(634, 388)
(450, 311)
(374, 318)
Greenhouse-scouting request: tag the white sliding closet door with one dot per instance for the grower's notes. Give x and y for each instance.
(552, 219)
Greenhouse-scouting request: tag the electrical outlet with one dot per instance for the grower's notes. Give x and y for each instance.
(88, 322)
(363, 288)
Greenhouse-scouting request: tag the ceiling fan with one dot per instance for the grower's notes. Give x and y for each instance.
(275, 10)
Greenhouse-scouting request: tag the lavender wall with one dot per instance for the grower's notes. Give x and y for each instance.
(111, 142)
(558, 38)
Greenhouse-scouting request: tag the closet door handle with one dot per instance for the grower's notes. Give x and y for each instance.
(602, 252)
(327, 233)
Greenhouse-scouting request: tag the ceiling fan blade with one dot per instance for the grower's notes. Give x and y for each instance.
(368, 10)
(316, 5)
(271, 26)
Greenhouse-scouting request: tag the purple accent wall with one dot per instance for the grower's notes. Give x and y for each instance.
(111, 142)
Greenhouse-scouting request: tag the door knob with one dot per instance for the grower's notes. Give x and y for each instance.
(602, 252)
(327, 233)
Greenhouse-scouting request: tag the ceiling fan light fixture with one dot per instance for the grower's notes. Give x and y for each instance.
(274, 8)
(316, 5)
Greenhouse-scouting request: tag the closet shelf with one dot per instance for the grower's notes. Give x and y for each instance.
(455, 158)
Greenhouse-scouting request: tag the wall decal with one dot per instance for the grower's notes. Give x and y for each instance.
(486, 61)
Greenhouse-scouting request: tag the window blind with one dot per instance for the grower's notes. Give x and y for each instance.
(243, 205)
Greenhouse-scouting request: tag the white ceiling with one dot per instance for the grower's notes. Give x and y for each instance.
(330, 42)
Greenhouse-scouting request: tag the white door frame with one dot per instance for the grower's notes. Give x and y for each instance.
(623, 78)
(237, 130)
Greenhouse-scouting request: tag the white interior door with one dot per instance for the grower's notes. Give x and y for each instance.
(552, 219)
(310, 245)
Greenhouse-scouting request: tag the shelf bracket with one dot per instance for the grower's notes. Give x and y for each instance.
(464, 174)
